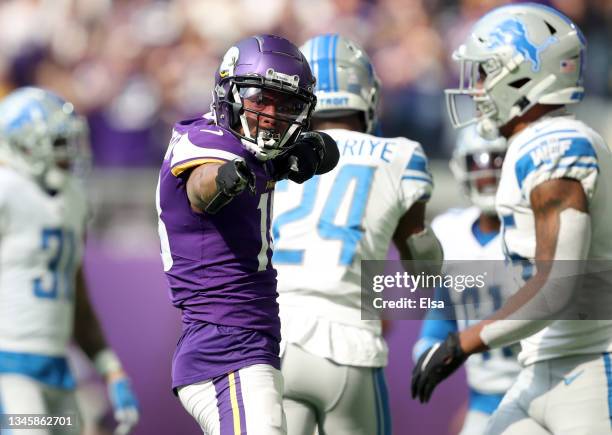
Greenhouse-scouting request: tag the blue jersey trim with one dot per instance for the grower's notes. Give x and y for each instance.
(417, 163)
(577, 95)
(486, 403)
(50, 370)
(508, 221)
(378, 404)
(608, 367)
(481, 237)
(383, 413)
(580, 147)
(419, 169)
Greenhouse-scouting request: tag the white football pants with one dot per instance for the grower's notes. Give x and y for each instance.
(244, 402)
(563, 396)
(336, 399)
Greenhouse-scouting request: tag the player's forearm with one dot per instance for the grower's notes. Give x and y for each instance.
(524, 313)
(89, 336)
(87, 332)
(530, 309)
(411, 223)
(201, 185)
(470, 339)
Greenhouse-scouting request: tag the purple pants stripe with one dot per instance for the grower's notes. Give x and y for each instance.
(230, 404)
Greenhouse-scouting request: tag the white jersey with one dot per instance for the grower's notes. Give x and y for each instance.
(491, 372)
(559, 147)
(326, 226)
(41, 239)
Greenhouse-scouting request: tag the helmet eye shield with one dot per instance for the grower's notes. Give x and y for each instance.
(486, 160)
(71, 151)
(286, 107)
(483, 170)
(267, 113)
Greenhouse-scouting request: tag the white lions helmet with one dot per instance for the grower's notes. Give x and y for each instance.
(346, 80)
(41, 135)
(518, 56)
(476, 165)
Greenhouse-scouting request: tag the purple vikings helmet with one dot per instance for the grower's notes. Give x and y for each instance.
(264, 70)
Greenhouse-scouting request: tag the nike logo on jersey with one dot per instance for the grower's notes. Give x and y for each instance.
(568, 380)
(216, 133)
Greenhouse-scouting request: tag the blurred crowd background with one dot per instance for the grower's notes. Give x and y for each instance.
(134, 67)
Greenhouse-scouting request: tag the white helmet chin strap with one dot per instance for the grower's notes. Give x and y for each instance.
(487, 128)
(268, 146)
(264, 149)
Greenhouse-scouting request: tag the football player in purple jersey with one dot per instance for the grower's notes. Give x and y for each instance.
(214, 201)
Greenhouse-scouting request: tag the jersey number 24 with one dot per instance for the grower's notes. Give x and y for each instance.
(349, 233)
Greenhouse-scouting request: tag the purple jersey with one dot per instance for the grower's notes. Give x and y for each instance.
(218, 266)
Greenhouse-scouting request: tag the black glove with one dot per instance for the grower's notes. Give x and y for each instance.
(300, 163)
(332, 154)
(232, 178)
(435, 365)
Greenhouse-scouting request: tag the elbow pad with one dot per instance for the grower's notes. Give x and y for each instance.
(425, 246)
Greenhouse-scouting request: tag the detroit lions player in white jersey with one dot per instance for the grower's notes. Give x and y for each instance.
(333, 361)
(43, 298)
(525, 64)
(473, 234)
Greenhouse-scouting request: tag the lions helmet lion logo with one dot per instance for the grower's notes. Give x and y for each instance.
(513, 32)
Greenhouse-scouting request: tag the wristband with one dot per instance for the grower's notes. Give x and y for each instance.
(106, 361)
